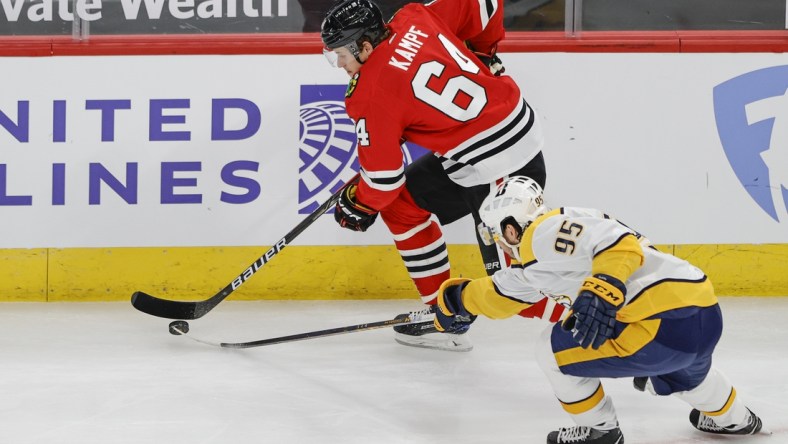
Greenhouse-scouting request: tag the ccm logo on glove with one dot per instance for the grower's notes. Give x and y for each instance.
(604, 290)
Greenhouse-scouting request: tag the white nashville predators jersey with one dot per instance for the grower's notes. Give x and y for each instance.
(560, 249)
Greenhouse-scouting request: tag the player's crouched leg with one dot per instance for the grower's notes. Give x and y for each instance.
(716, 405)
(718, 409)
(583, 398)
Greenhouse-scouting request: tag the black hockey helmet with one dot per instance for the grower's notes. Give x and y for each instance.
(350, 21)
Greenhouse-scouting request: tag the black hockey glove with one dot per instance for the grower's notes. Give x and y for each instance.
(593, 317)
(451, 315)
(351, 214)
(491, 61)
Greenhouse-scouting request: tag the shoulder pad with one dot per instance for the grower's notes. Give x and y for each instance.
(526, 243)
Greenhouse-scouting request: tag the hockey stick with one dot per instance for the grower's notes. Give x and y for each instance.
(165, 308)
(411, 318)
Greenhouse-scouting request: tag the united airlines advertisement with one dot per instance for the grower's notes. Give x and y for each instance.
(173, 151)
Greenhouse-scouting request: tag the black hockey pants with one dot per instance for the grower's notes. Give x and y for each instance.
(431, 189)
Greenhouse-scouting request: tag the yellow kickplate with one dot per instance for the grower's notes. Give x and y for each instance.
(308, 272)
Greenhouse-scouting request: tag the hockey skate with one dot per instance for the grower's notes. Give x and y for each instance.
(585, 435)
(425, 335)
(751, 425)
(643, 384)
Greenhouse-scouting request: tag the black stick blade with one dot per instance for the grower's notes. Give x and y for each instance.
(165, 308)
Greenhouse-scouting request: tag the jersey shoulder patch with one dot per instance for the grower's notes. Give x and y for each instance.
(351, 87)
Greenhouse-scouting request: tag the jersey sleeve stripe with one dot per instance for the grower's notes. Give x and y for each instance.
(487, 9)
(384, 176)
(384, 180)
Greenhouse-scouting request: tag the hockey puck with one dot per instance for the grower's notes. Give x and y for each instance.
(181, 326)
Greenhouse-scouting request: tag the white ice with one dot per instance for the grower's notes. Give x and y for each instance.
(105, 373)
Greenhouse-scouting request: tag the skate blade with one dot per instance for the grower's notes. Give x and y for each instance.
(764, 431)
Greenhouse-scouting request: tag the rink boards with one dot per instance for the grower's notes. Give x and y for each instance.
(338, 272)
(166, 175)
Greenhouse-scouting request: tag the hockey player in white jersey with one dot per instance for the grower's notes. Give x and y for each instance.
(635, 312)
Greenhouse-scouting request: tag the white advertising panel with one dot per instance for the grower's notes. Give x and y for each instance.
(689, 148)
(236, 150)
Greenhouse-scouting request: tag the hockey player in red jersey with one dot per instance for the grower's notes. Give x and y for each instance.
(635, 312)
(429, 76)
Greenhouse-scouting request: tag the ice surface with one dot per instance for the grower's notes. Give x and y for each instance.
(106, 373)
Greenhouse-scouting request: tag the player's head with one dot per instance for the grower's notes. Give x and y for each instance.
(347, 26)
(514, 204)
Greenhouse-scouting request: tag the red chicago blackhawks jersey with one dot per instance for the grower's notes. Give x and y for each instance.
(423, 85)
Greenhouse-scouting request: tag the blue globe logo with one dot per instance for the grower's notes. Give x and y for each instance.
(327, 149)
